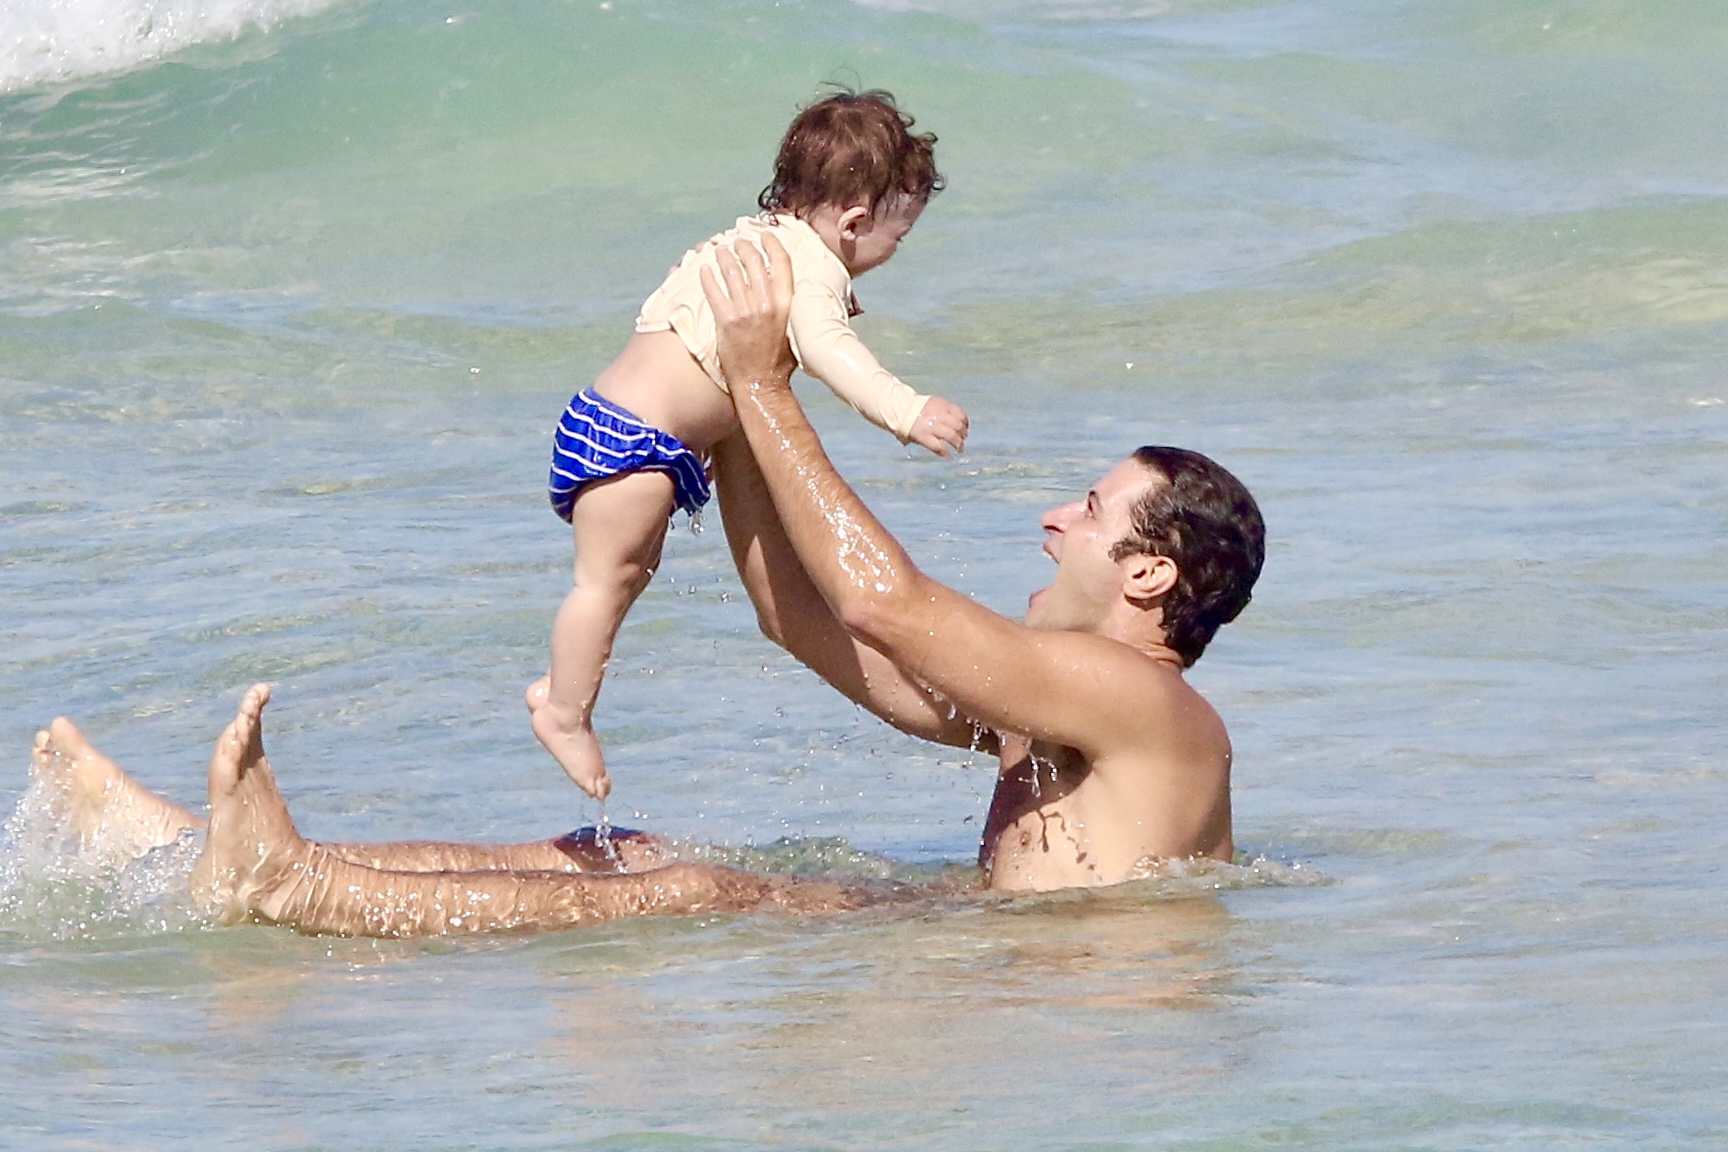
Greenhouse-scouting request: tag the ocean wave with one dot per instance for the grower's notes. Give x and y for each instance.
(52, 41)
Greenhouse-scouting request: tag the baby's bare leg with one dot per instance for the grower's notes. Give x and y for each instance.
(256, 865)
(619, 525)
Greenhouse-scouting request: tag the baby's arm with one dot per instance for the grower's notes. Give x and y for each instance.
(829, 350)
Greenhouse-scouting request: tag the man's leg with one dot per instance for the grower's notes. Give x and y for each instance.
(585, 850)
(116, 816)
(257, 865)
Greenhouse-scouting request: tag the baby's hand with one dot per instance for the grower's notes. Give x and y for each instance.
(941, 427)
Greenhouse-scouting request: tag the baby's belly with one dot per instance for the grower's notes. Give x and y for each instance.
(656, 378)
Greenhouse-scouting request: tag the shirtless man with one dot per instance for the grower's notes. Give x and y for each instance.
(1110, 761)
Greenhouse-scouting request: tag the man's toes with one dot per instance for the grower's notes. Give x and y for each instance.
(225, 761)
(244, 731)
(46, 763)
(252, 704)
(66, 739)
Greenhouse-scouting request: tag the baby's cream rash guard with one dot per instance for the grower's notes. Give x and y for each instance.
(820, 329)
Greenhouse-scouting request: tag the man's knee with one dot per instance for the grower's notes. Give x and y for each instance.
(618, 850)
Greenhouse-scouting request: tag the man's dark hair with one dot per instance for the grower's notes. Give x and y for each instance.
(1203, 518)
(851, 148)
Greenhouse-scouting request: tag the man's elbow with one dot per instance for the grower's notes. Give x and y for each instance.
(769, 625)
(877, 619)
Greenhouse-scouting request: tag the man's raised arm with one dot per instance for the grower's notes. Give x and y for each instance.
(793, 614)
(1064, 686)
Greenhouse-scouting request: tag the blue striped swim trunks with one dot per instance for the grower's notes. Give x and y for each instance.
(597, 439)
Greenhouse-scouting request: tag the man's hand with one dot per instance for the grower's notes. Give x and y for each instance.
(751, 312)
(941, 427)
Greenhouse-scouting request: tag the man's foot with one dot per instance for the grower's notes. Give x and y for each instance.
(574, 746)
(116, 818)
(253, 855)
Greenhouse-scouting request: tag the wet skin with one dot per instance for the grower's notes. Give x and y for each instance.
(256, 866)
(1110, 761)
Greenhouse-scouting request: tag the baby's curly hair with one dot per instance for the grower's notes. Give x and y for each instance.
(851, 148)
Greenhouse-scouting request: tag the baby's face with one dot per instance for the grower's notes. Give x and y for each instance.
(877, 237)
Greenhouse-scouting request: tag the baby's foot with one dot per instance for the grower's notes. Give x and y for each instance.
(575, 748)
(537, 694)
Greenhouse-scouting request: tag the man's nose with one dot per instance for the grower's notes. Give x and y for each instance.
(1058, 518)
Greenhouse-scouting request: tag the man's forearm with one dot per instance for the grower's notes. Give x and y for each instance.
(859, 568)
(794, 614)
(1045, 684)
(857, 564)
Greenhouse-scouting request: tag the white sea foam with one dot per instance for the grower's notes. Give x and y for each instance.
(58, 885)
(49, 41)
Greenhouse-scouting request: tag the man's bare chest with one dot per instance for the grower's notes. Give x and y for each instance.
(1036, 834)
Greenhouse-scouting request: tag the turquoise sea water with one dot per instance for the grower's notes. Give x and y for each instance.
(291, 293)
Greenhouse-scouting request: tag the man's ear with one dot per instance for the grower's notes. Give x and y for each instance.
(1147, 577)
(847, 223)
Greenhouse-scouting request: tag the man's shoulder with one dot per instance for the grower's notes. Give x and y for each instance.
(1150, 668)
(1145, 696)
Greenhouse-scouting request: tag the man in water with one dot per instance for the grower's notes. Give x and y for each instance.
(1110, 761)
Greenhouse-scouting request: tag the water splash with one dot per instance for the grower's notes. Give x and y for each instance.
(603, 838)
(975, 745)
(1039, 764)
(1217, 875)
(809, 857)
(57, 885)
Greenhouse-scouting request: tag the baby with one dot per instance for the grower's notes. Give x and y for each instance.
(850, 181)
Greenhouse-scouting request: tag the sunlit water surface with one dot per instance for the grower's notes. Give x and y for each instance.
(284, 324)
